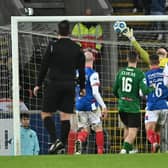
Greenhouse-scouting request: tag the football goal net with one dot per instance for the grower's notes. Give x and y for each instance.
(21, 49)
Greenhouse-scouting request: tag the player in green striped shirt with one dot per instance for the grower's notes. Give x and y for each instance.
(128, 83)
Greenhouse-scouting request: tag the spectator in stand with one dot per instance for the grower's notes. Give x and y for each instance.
(158, 7)
(29, 139)
(89, 31)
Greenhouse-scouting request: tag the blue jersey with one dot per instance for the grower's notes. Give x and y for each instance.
(157, 99)
(88, 102)
(29, 142)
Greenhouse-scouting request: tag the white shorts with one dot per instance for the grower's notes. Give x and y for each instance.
(88, 118)
(158, 116)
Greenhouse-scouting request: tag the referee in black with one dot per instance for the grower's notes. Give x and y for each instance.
(61, 60)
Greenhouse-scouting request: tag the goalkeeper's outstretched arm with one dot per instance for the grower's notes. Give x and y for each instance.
(143, 53)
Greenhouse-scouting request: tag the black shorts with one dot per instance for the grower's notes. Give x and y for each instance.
(131, 120)
(58, 97)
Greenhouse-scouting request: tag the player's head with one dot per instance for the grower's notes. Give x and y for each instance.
(25, 120)
(154, 59)
(89, 57)
(63, 27)
(132, 57)
(161, 52)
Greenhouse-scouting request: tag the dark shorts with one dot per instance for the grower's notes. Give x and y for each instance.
(131, 120)
(58, 97)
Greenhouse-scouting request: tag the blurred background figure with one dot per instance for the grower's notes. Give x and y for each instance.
(141, 6)
(158, 7)
(89, 31)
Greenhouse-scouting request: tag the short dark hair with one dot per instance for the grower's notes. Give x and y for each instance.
(24, 115)
(154, 59)
(132, 57)
(63, 27)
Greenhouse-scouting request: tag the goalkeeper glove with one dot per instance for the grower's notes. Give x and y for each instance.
(129, 34)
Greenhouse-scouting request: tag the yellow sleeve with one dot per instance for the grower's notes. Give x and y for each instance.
(99, 36)
(163, 62)
(143, 53)
(75, 33)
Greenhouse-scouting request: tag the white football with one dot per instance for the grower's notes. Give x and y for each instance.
(120, 26)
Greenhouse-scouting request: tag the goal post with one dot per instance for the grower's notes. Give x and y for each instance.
(110, 58)
(15, 88)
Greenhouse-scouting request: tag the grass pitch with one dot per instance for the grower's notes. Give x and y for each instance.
(86, 161)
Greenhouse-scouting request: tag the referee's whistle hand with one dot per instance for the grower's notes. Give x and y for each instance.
(36, 88)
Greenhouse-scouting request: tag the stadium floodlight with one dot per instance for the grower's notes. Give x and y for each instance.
(28, 35)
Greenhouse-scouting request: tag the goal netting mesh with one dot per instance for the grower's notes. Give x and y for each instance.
(33, 38)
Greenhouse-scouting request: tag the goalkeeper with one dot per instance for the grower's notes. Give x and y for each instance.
(161, 52)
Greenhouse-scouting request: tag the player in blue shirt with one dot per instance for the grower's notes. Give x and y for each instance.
(156, 106)
(88, 108)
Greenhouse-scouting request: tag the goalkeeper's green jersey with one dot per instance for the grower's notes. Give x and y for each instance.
(128, 83)
(145, 55)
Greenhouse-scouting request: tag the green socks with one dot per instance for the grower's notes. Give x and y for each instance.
(127, 146)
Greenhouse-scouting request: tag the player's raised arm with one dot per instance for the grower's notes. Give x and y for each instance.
(143, 53)
(94, 80)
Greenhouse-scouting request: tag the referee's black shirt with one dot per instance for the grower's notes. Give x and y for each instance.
(62, 58)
